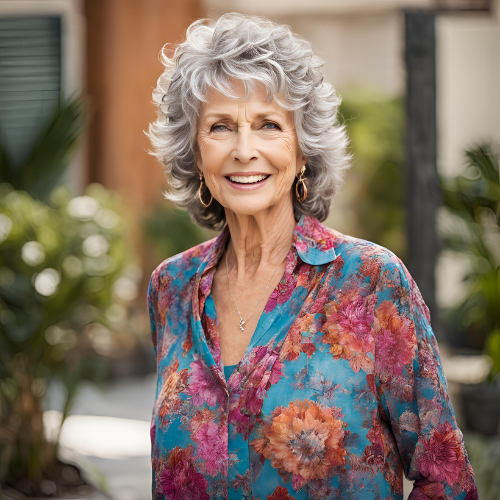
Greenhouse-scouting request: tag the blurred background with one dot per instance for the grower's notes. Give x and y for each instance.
(83, 222)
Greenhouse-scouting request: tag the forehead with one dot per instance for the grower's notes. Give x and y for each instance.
(255, 103)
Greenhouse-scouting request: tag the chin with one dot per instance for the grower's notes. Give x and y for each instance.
(248, 210)
(250, 207)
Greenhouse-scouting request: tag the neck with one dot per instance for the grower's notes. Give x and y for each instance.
(259, 241)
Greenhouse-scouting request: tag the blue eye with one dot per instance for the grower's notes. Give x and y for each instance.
(274, 126)
(218, 128)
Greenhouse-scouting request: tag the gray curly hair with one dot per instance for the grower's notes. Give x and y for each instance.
(254, 50)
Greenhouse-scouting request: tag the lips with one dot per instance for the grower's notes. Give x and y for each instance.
(252, 177)
(248, 181)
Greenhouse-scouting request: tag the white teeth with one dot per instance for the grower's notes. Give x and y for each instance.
(247, 179)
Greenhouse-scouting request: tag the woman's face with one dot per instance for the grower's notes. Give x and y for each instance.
(247, 150)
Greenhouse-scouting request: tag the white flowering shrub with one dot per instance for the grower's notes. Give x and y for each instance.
(65, 283)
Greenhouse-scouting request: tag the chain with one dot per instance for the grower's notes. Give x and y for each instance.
(242, 321)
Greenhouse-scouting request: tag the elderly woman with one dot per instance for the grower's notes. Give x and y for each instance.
(294, 362)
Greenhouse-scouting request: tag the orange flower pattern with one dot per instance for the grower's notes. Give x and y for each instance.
(304, 440)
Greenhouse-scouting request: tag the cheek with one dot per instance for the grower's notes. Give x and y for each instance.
(282, 155)
(213, 155)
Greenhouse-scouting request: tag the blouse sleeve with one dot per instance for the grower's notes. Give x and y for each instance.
(151, 301)
(413, 394)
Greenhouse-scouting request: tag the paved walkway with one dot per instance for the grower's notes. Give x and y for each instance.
(108, 434)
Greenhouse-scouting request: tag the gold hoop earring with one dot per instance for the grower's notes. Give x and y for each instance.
(199, 193)
(304, 187)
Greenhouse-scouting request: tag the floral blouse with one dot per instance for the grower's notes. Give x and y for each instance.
(339, 393)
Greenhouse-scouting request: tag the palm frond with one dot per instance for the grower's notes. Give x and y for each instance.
(51, 152)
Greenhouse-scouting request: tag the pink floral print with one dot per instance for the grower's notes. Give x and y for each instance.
(202, 386)
(179, 479)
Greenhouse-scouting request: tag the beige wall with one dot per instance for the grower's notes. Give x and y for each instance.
(468, 102)
(361, 41)
(277, 8)
(361, 49)
(468, 85)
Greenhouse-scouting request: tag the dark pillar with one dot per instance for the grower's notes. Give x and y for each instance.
(423, 193)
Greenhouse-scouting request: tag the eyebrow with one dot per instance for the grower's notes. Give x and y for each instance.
(226, 115)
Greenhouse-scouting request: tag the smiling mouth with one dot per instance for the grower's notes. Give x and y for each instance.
(247, 179)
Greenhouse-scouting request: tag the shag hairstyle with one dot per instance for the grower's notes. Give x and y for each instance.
(254, 50)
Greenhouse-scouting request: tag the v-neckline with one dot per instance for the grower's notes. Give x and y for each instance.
(310, 245)
(257, 335)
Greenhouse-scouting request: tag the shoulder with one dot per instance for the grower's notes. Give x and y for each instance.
(385, 272)
(177, 271)
(370, 259)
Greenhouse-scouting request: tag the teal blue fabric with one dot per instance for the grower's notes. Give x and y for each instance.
(232, 493)
(228, 370)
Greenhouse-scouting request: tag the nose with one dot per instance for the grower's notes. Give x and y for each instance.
(244, 150)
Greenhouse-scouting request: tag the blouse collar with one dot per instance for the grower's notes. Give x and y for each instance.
(314, 241)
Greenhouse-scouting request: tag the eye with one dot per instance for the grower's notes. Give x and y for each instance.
(271, 126)
(218, 128)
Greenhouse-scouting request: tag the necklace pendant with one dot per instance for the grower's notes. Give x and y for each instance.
(241, 324)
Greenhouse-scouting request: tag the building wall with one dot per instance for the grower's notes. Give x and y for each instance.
(316, 7)
(468, 111)
(125, 38)
(359, 50)
(468, 83)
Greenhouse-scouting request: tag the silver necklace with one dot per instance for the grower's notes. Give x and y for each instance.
(243, 321)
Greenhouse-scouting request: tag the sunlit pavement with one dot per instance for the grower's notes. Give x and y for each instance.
(107, 434)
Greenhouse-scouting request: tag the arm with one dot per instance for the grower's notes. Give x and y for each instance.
(151, 301)
(414, 395)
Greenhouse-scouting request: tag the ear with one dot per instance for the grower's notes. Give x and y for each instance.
(300, 163)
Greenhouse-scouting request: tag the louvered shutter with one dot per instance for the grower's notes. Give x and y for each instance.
(30, 79)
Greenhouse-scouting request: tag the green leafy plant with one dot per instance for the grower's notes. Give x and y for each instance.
(170, 230)
(375, 184)
(50, 154)
(472, 202)
(485, 459)
(492, 349)
(65, 281)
